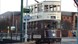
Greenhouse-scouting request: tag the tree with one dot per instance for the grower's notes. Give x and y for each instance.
(4, 24)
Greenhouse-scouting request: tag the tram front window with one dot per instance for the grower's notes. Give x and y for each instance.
(52, 26)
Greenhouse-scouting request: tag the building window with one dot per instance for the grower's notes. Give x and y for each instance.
(64, 17)
(68, 17)
(76, 22)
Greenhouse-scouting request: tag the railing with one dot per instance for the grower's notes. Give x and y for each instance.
(12, 36)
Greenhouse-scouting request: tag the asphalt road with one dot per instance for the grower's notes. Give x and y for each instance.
(66, 41)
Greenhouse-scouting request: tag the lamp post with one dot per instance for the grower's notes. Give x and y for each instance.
(76, 2)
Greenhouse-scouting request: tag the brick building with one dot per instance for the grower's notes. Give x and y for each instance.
(69, 19)
(68, 24)
(9, 19)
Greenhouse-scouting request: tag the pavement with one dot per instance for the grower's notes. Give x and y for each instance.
(69, 40)
(66, 39)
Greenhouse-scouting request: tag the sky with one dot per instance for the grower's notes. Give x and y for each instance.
(14, 5)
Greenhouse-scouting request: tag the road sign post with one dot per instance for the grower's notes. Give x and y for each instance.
(26, 18)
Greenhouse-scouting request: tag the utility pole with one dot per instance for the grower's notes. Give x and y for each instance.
(76, 2)
(21, 22)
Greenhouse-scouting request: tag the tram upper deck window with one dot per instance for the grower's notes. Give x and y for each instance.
(46, 8)
(35, 8)
(55, 7)
(53, 17)
(39, 7)
(50, 7)
(58, 8)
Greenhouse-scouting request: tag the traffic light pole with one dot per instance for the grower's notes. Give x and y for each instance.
(21, 22)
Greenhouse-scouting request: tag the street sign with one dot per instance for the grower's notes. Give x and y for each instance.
(27, 17)
(36, 36)
(26, 10)
(76, 2)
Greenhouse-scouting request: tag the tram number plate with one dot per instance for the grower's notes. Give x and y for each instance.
(36, 36)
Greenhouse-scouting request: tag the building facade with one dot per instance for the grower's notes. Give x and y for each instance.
(70, 18)
(69, 24)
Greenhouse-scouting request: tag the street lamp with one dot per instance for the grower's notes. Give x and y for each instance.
(76, 2)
